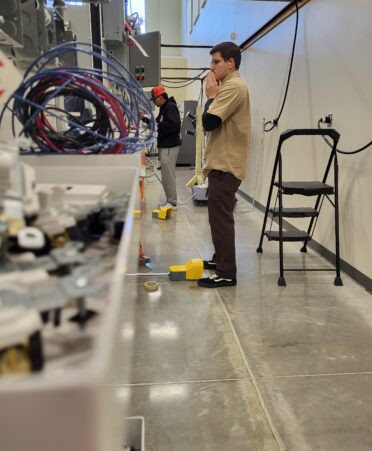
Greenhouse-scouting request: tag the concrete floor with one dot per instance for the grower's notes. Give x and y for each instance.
(255, 367)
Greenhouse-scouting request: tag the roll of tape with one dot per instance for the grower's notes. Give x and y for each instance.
(151, 286)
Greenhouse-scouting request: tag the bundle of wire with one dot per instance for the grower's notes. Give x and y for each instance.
(114, 122)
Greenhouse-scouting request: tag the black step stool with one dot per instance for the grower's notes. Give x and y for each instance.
(303, 188)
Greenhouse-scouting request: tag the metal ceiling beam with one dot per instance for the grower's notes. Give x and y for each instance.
(282, 15)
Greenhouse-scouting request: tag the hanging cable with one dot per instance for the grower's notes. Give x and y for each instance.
(187, 46)
(179, 87)
(185, 68)
(344, 152)
(177, 80)
(274, 123)
(109, 123)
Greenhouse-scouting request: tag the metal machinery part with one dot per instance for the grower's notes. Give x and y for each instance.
(25, 282)
(10, 24)
(38, 31)
(28, 28)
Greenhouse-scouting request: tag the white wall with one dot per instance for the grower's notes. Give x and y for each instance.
(218, 19)
(165, 16)
(177, 90)
(332, 73)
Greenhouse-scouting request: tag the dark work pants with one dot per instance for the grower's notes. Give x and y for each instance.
(222, 187)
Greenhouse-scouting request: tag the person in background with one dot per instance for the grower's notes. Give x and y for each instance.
(169, 142)
(226, 120)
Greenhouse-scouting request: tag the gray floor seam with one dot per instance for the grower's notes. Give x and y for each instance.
(192, 235)
(300, 343)
(201, 381)
(243, 356)
(253, 378)
(315, 375)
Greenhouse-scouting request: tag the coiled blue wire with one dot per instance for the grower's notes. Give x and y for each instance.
(132, 99)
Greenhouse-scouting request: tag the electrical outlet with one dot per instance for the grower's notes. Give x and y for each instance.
(327, 119)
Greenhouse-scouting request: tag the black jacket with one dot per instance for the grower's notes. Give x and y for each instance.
(169, 124)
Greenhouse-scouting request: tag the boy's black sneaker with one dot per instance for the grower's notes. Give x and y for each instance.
(209, 264)
(215, 281)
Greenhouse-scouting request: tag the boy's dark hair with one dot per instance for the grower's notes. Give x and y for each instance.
(228, 50)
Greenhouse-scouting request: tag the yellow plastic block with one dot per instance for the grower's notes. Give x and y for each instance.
(137, 214)
(162, 213)
(177, 268)
(194, 269)
(165, 213)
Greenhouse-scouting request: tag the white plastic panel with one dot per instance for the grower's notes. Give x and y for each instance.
(66, 406)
